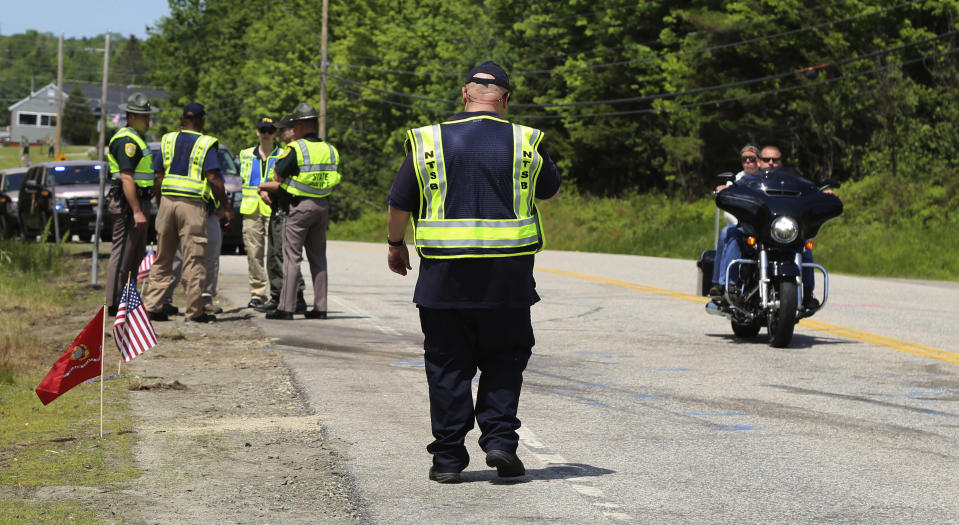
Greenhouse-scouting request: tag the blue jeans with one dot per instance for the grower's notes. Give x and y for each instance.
(723, 234)
(733, 249)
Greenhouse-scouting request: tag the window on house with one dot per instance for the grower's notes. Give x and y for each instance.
(48, 120)
(27, 119)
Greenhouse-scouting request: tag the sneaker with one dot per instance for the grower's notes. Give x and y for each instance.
(202, 318)
(254, 303)
(444, 477)
(169, 309)
(267, 306)
(507, 464)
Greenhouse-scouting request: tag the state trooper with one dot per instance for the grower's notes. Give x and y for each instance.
(307, 171)
(256, 166)
(470, 184)
(189, 174)
(279, 207)
(128, 202)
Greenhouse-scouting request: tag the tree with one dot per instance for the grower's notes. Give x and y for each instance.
(79, 125)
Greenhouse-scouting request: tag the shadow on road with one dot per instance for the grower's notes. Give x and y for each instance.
(552, 472)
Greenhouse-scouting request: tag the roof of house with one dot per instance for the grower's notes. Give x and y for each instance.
(116, 94)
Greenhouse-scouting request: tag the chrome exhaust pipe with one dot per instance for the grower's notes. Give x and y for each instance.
(713, 308)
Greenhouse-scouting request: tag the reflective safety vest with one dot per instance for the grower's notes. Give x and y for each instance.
(438, 237)
(193, 183)
(143, 173)
(254, 171)
(318, 171)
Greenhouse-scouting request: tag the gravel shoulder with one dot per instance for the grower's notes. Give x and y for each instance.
(225, 436)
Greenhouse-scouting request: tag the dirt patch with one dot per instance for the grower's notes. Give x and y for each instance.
(225, 437)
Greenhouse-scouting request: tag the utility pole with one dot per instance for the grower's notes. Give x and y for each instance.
(103, 170)
(56, 149)
(323, 71)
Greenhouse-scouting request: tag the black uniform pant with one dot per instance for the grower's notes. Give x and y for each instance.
(457, 343)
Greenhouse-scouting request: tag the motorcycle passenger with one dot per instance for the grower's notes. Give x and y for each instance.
(769, 158)
(749, 156)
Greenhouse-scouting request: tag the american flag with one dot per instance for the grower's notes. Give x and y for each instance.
(132, 330)
(144, 270)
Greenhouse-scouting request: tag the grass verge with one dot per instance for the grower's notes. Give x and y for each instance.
(918, 246)
(47, 301)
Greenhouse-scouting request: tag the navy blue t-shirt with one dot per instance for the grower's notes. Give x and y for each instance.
(180, 165)
(495, 282)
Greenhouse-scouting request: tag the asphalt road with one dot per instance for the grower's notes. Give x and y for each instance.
(638, 407)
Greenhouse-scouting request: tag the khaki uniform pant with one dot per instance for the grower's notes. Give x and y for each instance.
(305, 227)
(128, 249)
(254, 242)
(181, 223)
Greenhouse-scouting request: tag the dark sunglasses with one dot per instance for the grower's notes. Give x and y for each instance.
(268, 130)
(748, 159)
(771, 160)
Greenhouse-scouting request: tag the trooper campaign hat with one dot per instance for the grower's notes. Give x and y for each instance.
(304, 111)
(285, 122)
(139, 104)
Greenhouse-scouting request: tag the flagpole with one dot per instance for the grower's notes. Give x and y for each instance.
(103, 355)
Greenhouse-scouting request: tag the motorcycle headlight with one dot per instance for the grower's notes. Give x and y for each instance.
(784, 230)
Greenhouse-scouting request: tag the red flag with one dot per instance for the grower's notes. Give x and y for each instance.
(143, 271)
(80, 362)
(132, 329)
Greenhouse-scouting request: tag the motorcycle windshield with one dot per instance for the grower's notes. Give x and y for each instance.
(758, 199)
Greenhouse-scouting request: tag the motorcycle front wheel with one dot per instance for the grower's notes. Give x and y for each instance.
(783, 321)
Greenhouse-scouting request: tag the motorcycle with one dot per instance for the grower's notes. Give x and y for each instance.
(779, 211)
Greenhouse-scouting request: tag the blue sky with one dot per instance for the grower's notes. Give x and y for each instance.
(82, 18)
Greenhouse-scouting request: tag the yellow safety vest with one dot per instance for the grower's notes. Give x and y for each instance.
(438, 237)
(318, 170)
(254, 170)
(192, 184)
(143, 173)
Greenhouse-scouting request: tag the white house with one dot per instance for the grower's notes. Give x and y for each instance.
(35, 117)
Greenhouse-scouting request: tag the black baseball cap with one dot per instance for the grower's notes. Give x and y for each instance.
(500, 78)
(193, 109)
(265, 123)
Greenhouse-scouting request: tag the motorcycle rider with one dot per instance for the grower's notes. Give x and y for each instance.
(749, 157)
(770, 157)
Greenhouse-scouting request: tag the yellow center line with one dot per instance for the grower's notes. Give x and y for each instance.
(848, 333)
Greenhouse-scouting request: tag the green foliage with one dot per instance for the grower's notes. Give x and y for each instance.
(79, 124)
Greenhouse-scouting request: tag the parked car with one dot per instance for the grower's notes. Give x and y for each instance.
(233, 184)
(68, 190)
(10, 182)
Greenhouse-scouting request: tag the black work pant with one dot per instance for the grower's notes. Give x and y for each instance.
(457, 342)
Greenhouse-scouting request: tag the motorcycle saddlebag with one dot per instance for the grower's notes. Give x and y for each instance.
(704, 280)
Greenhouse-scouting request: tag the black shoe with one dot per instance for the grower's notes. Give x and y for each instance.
(158, 316)
(810, 303)
(169, 309)
(254, 303)
(279, 315)
(112, 311)
(202, 318)
(507, 464)
(300, 306)
(267, 306)
(716, 291)
(734, 297)
(315, 314)
(444, 477)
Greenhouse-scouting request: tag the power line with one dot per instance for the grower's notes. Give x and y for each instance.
(737, 98)
(649, 98)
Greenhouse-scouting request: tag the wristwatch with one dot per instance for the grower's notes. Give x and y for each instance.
(397, 243)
